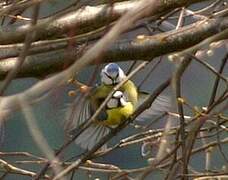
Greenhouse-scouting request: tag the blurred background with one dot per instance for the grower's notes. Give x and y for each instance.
(49, 113)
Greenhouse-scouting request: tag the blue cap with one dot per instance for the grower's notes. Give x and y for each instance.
(112, 68)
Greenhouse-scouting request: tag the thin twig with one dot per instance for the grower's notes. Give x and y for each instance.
(216, 83)
(23, 54)
(15, 170)
(37, 135)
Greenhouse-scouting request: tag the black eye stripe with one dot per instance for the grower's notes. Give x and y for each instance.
(108, 76)
(119, 102)
(117, 75)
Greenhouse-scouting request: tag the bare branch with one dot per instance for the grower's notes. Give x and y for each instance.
(85, 19)
(15, 170)
(145, 48)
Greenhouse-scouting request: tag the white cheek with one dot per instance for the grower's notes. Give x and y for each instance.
(112, 103)
(121, 75)
(106, 80)
(117, 94)
(123, 102)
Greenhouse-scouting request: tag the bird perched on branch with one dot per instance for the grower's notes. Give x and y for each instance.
(111, 75)
(127, 94)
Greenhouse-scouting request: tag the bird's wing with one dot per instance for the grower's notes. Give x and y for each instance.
(78, 112)
(91, 136)
(94, 133)
(161, 104)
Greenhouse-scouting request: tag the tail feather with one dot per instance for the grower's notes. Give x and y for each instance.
(91, 136)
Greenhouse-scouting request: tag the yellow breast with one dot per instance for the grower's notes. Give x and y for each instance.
(117, 115)
(102, 92)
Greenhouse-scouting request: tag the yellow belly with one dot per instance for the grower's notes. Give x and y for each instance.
(102, 92)
(117, 115)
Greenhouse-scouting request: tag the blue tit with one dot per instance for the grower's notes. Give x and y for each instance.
(111, 75)
(116, 111)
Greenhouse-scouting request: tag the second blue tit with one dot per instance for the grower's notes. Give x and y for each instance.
(117, 110)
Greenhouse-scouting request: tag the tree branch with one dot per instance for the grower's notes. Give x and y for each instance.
(6, 167)
(145, 48)
(83, 20)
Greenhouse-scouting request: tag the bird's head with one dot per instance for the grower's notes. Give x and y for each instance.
(118, 100)
(112, 74)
